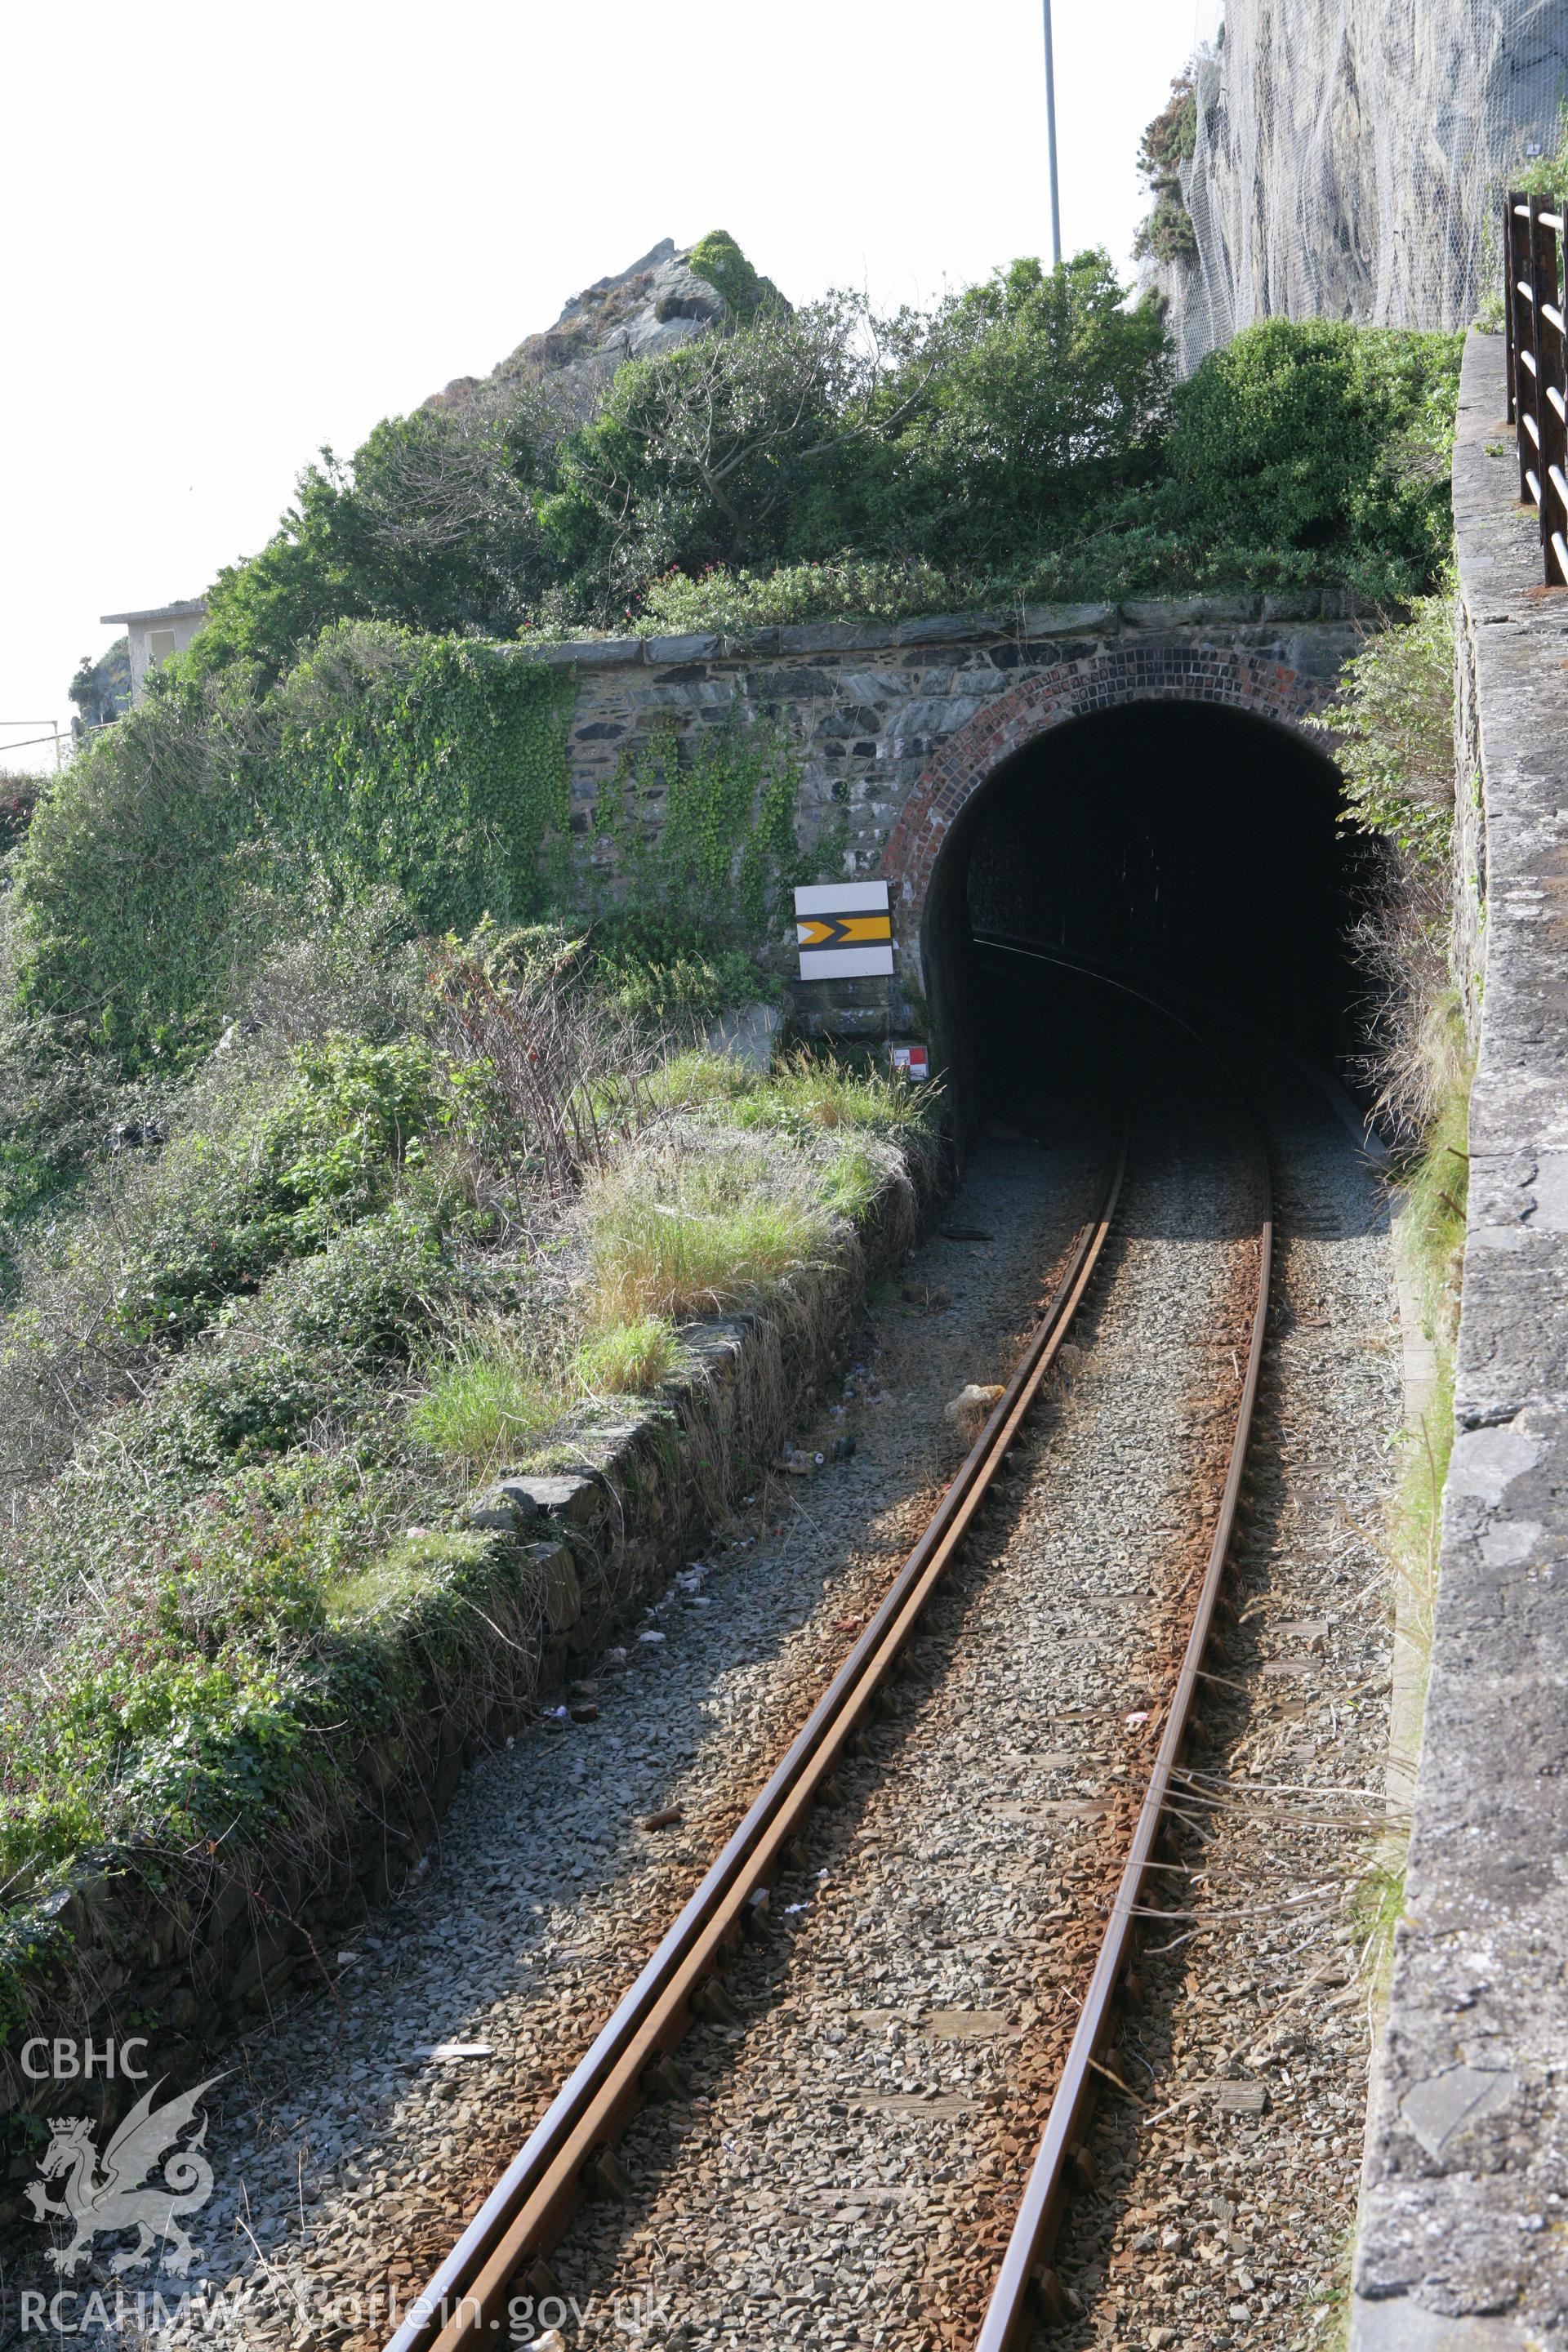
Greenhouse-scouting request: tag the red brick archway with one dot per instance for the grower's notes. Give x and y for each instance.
(1231, 678)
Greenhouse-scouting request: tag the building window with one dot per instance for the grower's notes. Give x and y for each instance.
(160, 645)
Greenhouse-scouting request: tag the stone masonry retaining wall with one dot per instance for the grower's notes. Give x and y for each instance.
(1463, 2240)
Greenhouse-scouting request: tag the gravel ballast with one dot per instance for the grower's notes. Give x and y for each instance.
(1231, 2188)
(849, 2163)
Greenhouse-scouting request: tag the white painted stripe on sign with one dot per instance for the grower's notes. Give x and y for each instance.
(845, 963)
(842, 898)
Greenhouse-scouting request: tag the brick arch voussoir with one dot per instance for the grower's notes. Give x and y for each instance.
(1234, 679)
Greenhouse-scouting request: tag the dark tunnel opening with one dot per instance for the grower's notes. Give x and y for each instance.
(1192, 850)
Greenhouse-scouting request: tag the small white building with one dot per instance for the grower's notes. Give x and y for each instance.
(153, 636)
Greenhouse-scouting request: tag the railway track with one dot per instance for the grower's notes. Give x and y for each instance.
(570, 2157)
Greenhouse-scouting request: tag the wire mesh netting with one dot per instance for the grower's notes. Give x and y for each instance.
(1351, 155)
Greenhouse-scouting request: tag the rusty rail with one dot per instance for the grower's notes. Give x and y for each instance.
(1027, 2293)
(507, 2244)
(1534, 292)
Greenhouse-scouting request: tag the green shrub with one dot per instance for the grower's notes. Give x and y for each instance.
(178, 1712)
(1393, 728)
(308, 1353)
(314, 1148)
(127, 884)
(1328, 439)
(158, 868)
(59, 1104)
(841, 588)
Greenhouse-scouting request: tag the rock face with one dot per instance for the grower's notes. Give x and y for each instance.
(658, 304)
(1350, 157)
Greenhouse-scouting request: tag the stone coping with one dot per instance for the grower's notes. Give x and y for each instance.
(1463, 2235)
(1024, 623)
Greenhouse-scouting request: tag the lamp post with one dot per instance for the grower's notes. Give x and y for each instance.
(1051, 143)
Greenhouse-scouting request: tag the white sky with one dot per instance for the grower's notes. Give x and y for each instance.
(235, 234)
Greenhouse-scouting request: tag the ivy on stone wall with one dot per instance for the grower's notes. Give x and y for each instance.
(699, 832)
(436, 764)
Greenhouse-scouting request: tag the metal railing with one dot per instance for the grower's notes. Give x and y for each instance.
(1537, 368)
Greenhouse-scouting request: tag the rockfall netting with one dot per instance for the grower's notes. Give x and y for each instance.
(1351, 155)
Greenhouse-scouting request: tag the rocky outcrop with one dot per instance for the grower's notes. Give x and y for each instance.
(1349, 158)
(657, 305)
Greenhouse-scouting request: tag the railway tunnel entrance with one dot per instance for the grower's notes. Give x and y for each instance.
(1190, 849)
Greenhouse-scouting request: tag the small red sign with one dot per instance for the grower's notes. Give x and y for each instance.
(913, 1061)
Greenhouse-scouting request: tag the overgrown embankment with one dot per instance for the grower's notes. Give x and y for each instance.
(263, 1595)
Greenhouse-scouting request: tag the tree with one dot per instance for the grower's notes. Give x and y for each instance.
(1042, 393)
(703, 455)
(434, 525)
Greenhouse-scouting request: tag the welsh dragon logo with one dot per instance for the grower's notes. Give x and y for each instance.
(101, 2204)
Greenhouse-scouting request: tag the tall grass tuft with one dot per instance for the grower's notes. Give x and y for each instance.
(490, 1402)
(681, 1236)
(630, 1358)
(814, 1091)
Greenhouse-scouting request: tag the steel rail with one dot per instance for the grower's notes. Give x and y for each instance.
(527, 2213)
(1026, 2290)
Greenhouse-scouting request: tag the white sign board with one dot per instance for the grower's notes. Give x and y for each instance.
(844, 930)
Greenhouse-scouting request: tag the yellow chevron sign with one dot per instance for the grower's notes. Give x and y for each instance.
(844, 930)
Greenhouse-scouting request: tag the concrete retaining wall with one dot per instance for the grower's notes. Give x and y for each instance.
(1463, 2242)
